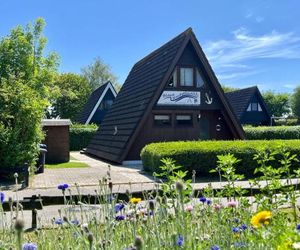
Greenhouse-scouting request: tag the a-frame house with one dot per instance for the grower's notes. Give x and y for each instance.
(249, 106)
(99, 102)
(171, 94)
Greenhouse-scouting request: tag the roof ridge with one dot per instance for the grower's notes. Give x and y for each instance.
(252, 87)
(188, 31)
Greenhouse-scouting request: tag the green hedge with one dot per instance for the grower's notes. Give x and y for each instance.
(80, 136)
(202, 155)
(271, 133)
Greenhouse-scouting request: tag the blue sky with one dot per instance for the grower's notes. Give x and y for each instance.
(254, 42)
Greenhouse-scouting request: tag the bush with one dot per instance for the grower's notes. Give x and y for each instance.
(272, 133)
(202, 155)
(80, 135)
(21, 112)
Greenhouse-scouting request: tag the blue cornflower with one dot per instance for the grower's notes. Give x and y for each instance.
(240, 244)
(243, 227)
(59, 221)
(202, 199)
(29, 246)
(180, 241)
(215, 247)
(235, 229)
(208, 202)
(120, 217)
(298, 227)
(236, 220)
(2, 197)
(119, 207)
(75, 222)
(63, 187)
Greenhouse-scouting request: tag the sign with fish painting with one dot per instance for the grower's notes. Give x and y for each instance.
(180, 98)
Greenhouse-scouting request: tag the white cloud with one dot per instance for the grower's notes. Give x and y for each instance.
(230, 57)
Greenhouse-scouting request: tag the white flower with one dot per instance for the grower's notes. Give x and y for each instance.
(296, 245)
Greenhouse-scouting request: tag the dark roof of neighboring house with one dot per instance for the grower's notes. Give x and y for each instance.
(139, 94)
(92, 101)
(240, 99)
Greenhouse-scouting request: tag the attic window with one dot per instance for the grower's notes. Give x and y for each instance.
(173, 80)
(199, 79)
(254, 106)
(186, 76)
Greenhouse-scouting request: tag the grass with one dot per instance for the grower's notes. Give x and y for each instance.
(67, 165)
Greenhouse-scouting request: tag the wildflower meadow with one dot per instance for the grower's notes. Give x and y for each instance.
(175, 216)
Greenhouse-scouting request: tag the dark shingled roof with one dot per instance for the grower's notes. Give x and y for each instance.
(240, 99)
(92, 101)
(136, 98)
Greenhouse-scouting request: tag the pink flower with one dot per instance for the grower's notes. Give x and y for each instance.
(189, 208)
(232, 204)
(217, 207)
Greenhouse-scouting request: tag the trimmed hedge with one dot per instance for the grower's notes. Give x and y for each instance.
(271, 133)
(80, 136)
(202, 155)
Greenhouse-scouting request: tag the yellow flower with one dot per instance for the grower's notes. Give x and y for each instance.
(135, 200)
(261, 218)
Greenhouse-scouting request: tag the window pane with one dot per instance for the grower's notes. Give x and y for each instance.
(254, 106)
(186, 76)
(199, 79)
(162, 119)
(173, 79)
(249, 107)
(184, 120)
(259, 107)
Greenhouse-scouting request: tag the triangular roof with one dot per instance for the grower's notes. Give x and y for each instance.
(241, 98)
(140, 92)
(94, 101)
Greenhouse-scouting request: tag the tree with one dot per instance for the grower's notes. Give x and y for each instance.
(22, 57)
(228, 88)
(98, 73)
(278, 104)
(26, 85)
(74, 93)
(295, 102)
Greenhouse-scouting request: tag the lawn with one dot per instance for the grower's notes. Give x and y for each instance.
(67, 165)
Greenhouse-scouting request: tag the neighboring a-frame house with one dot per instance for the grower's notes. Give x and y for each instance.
(249, 106)
(171, 94)
(98, 104)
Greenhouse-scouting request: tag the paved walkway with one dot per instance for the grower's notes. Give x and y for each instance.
(90, 176)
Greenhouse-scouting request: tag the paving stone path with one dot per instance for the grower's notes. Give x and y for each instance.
(123, 178)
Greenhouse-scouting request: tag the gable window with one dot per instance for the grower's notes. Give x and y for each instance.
(186, 76)
(254, 106)
(199, 79)
(162, 120)
(173, 80)
(184, 120)
(108, 103)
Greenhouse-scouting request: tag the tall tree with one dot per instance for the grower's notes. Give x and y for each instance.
(26, 84)
(22, 57)
(277, 103)
(74, 92)
(98, 73)
(295, 102)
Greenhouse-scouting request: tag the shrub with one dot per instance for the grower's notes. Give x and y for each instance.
(21, 111)
(271, 133)
(202, 155)
(80, 135)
